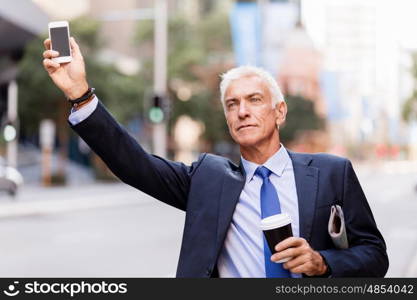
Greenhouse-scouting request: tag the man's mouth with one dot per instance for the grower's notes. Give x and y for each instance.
(245, 126)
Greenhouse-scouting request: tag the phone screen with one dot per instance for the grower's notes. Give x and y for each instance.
(60, 42)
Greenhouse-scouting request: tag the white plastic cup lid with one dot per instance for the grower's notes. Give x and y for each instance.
(275, 221)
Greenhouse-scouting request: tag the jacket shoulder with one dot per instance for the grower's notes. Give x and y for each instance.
(216, 162)
(318, 159)
(329, 158)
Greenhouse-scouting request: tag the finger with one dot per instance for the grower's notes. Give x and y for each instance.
(50, 54)
(47, 44)
(295, 262)
(287, 253)
(289, 242)
(50, 65)
(300, 247)
(76, 52)
(304, 268)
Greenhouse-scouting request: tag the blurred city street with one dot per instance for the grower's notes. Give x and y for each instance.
(95, 230)
(391, 191)
(346, 69)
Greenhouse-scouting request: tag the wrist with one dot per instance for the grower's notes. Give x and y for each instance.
(84, 103)
(77, 91)
(325, 269)
(83, 100)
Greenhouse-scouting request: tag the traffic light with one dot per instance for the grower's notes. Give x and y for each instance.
(156, 111)
(9, 132)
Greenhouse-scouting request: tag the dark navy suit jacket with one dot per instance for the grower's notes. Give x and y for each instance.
(209, 190)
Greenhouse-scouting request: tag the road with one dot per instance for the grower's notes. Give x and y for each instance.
(93, 231)
(391, 192)
(112, 230)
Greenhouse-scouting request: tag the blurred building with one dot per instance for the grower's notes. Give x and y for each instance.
(346, 31)
(299, 75)
(361, 68)
(20, 21)
(59, 10)
(270, 34)
(299, 71)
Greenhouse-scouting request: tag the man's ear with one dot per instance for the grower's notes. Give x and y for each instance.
(281, 112)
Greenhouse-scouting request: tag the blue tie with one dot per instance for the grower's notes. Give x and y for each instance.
(270, 206)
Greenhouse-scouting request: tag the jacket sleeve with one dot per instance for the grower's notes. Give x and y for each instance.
(366, 255)
(163, 179)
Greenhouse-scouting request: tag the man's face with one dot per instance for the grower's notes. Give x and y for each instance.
(249, 112)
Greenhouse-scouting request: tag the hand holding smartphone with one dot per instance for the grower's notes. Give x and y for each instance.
(69, 77)
(59, 36)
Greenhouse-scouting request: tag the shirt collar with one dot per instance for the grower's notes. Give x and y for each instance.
(276, 163)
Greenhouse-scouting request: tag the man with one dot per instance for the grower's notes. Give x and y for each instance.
(224, 202)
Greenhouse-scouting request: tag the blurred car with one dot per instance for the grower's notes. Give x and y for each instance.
(10, 178)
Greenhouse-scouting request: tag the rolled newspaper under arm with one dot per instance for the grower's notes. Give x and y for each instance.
(337, 228)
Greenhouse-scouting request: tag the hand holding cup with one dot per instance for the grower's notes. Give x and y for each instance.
(276, 229)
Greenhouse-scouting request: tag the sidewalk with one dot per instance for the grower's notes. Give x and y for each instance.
(33, 200)
(81, 191)
(29, 165)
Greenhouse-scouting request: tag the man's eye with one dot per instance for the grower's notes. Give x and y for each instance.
(231, 104)
(255, 99)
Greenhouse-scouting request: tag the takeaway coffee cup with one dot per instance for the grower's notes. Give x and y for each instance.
(276, 228)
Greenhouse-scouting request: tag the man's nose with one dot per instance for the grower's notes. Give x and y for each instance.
(243, 110)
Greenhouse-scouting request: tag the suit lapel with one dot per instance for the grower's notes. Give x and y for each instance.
(232, 187)
(306, 182)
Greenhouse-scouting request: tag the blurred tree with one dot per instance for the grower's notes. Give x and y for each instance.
(301, 116)
(39, 98)
(197, 54)
(409, 109)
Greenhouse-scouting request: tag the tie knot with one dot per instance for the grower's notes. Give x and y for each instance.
(263, 172)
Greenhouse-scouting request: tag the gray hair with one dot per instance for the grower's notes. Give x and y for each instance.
(246, 71)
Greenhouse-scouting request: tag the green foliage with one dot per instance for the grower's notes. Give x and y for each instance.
(37, 93)
(39, 97)
(206, 108)
(197, 54)
(301, 116)
(120, 93)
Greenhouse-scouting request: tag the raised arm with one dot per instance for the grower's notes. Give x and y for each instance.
(163, 179)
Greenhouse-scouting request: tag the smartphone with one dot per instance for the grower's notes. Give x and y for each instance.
(59, 35)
